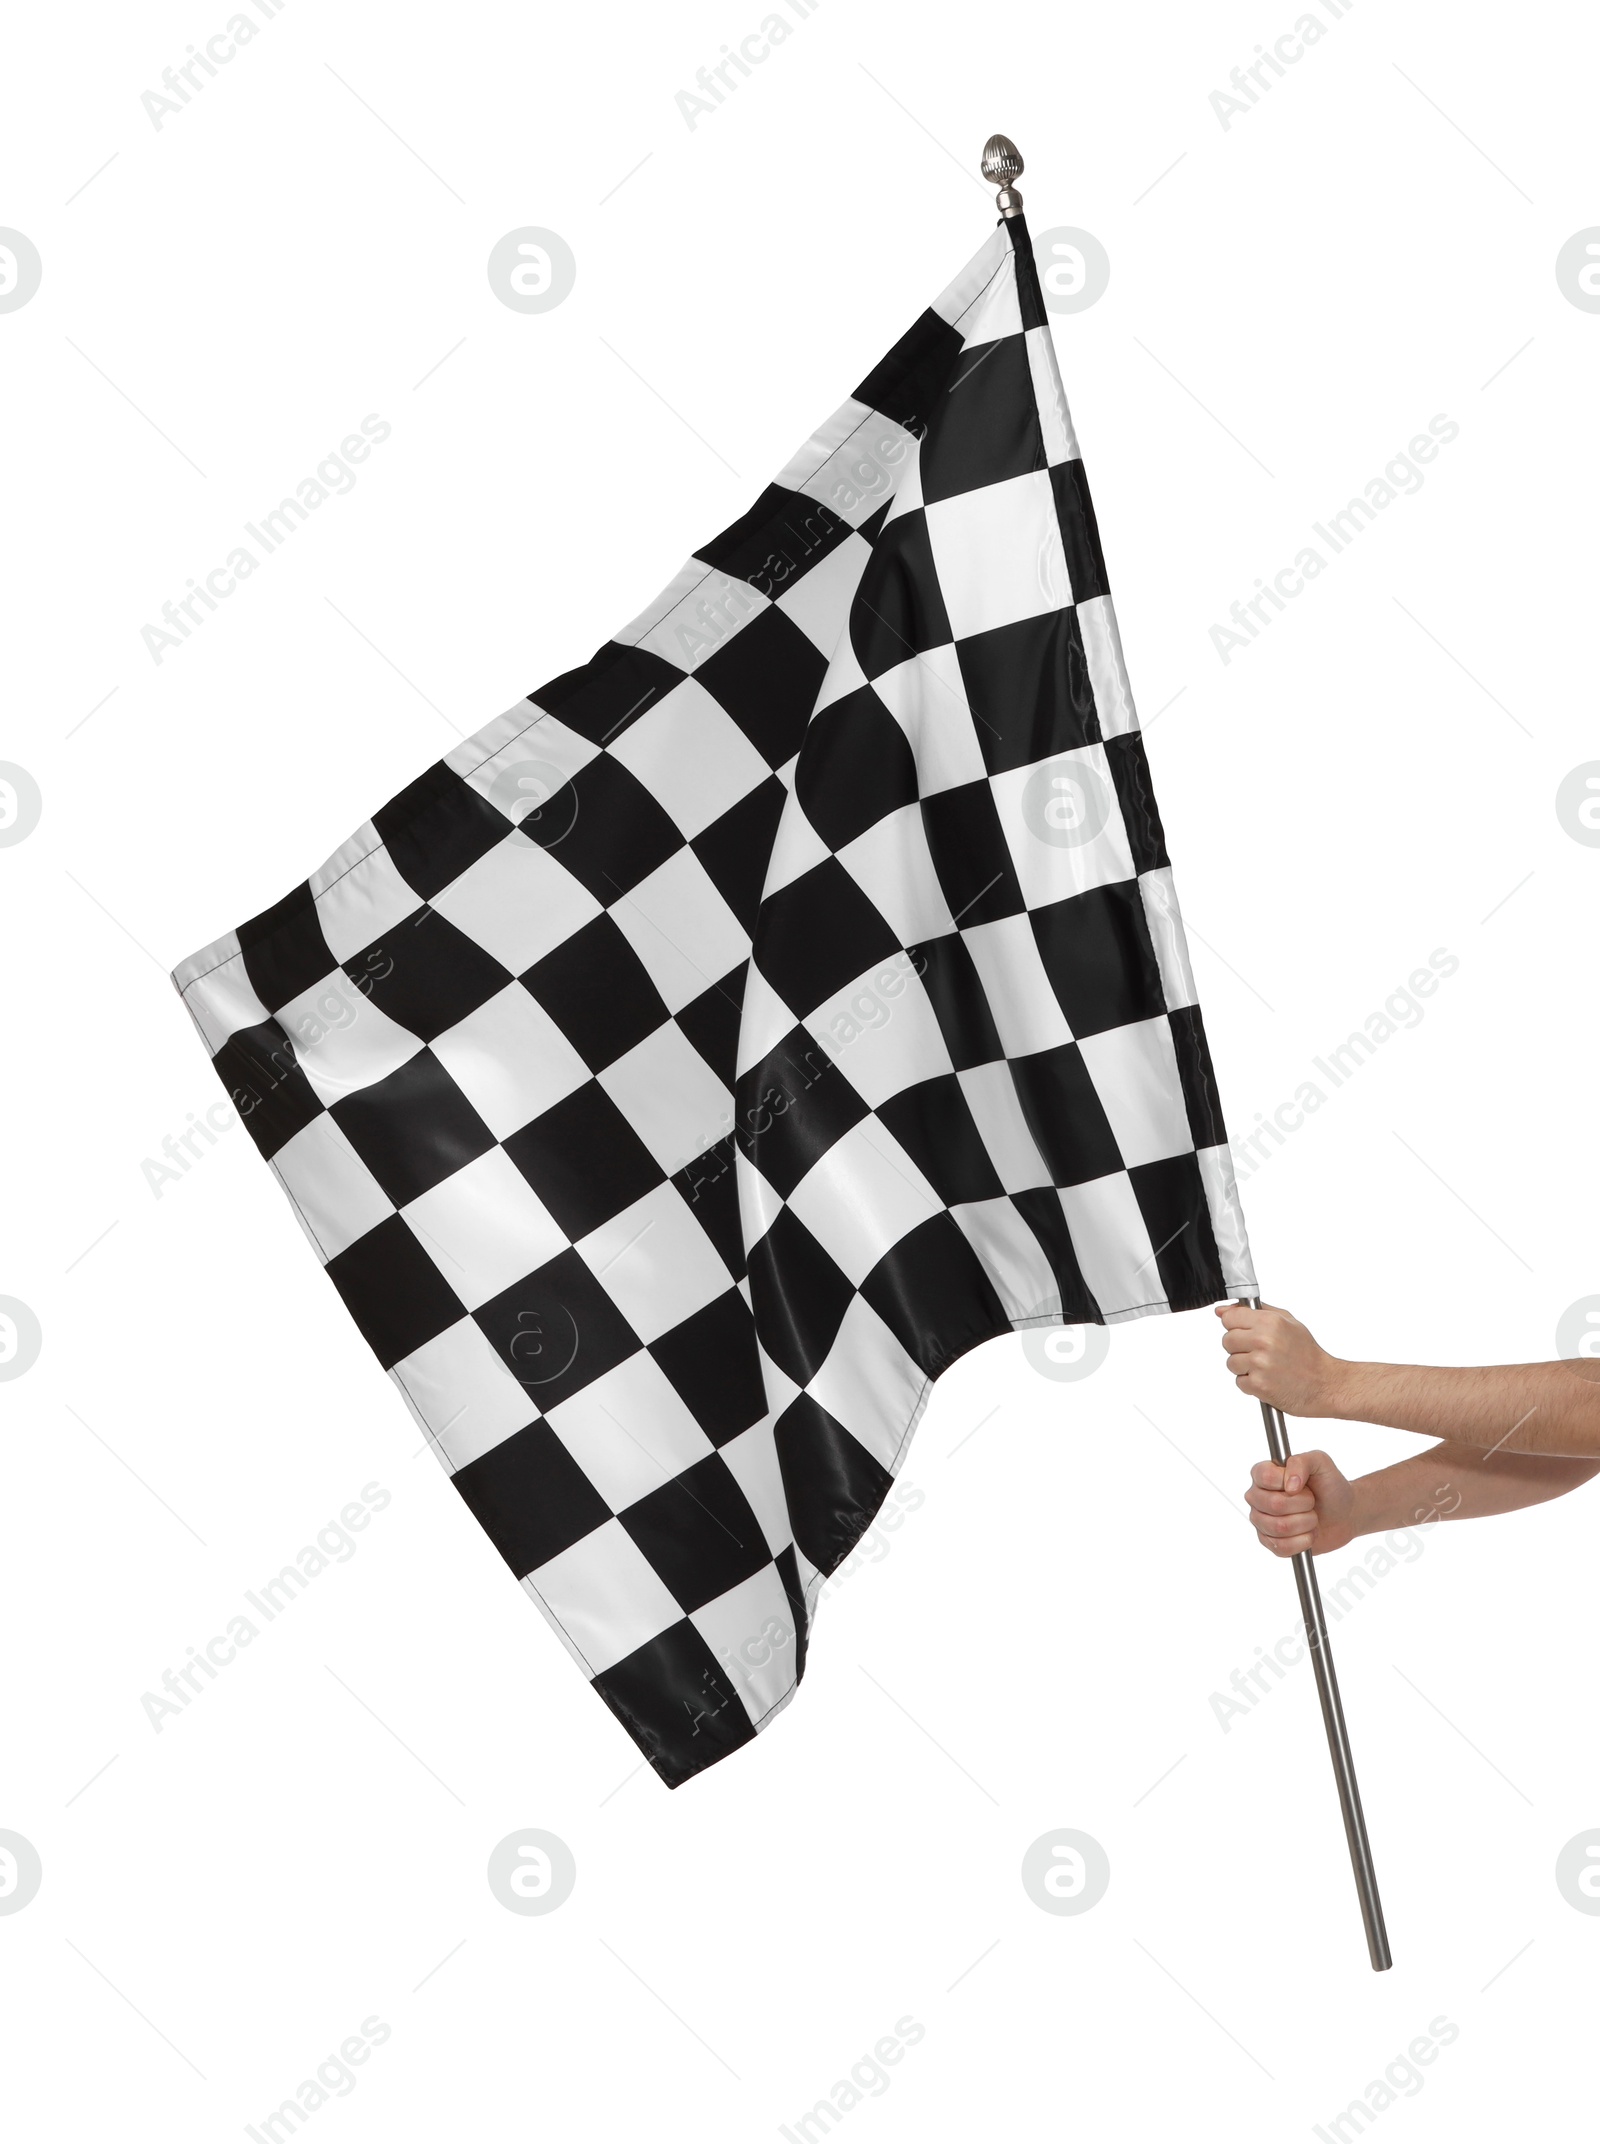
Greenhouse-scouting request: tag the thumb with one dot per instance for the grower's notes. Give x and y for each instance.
(1308, 1470)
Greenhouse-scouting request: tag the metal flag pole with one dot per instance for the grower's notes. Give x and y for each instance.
(1002, 164)
(1344, 1769)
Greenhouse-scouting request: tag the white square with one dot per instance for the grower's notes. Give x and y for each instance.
(991, 1095)
(998, 553)
(881, 1031)
(605, 1595)
(692, 757)
(1115, 1254)
(1025, 1008)
(819, 602)
(995, 311)
(1055, 419)
(893, 865)
(682, 929)
(928, 699)
(1063, 825)
(223, 1001)
(484, 1227)
(870, 1384)
(670, 1097)
(1108, 673)
(1011, 1254)
(764, 1020)
(341, 1038)
(752, 1459)
(656, 1263)
(517, 902)
(703, 610)
(336, 1193)
(751, 1630)
(510, 1060)
(862, 1196)
(538, 755)
(360, 906)
(1161, 912)
(463, 1395)
(630, 1432)
(1135, 1074)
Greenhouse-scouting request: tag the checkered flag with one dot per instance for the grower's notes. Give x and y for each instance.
(679, 1076)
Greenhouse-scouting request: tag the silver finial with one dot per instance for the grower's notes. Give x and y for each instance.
(1002, 161)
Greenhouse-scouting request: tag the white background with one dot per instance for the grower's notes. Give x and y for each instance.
(1292, 298)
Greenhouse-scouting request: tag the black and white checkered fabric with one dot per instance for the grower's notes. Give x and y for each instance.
(681, 1074)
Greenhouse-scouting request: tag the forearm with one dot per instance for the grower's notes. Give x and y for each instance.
(1549, 1408)
(1461, 1481)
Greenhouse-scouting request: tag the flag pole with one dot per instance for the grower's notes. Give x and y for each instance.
(1344, 1769)
(1002, 164)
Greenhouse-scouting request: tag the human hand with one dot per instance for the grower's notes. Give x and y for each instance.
(1307, 1504)
(1273, 1358)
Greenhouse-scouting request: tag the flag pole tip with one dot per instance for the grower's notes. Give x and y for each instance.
(1002, 162)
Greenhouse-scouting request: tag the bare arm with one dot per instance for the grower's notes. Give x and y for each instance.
(1548, 1408)
(1323, 1511)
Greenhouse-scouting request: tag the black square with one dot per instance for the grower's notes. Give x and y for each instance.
(709, 1187)
(1097, 953)
(1042, 1210)
(711, 1022)
(933, 1123)
(817, 934)
(986, 427)
(426, 974)
(857, 767)
(800, 1297)
(712, 1364)
(1172, 1198)
(435, 828)
(1197, 1076)
(792, 1107)
(284, 950)
(680, 1707)
(394, 1291)
(906, 384)
(598, 992)
(1136, 794)
(609, 693)
(1080, 532)
(971, 856)
(832, 1486)
(960, 1003)
(932, 1292)
(737, 848)
(556, 1330)
(780, 539)
(584, 1160)
(274, 1098)
(698, 1533)
(767, 677)
(898, 611)
(531, 1497)
(615, 834)
(1063, 1112)
(1028, 687)
(414, 1128)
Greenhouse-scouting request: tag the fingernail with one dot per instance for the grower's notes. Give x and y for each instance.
(1292, 1483)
